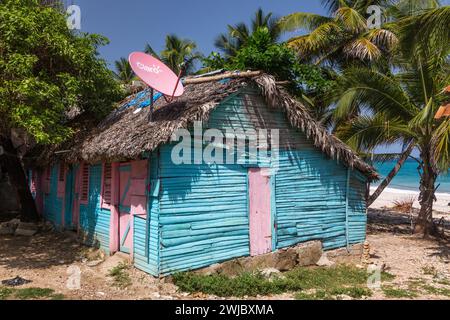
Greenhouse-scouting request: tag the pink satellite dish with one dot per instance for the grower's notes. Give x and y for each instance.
(156, 74)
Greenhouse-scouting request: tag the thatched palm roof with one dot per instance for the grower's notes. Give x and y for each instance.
(125, 135)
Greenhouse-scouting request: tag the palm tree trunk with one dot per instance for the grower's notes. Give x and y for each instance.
(390, 176)
(424, 223)
(11, 162)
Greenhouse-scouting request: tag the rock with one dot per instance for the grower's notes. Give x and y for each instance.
(286, 260)
(25, 232)
(94, 263)
(47, 226)
(271, 273)
(9, 227)
(26, 229)
(6, 231)
(308, 254)
(344, 297)
(232, 268)
(324, 262)
(213, 269)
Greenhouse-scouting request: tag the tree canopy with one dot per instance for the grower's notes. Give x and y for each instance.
(47, 70)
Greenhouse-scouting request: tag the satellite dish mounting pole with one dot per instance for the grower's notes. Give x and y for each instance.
(151, 104)
(178, 81)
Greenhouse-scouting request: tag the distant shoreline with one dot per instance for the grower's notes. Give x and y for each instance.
(407, 191)
(390, 195)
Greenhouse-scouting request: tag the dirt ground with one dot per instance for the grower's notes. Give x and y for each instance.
(50, 261)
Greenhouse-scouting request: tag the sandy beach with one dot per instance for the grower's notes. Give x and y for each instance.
(389, 195)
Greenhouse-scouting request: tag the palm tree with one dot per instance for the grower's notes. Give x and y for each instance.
(124, 73)
(342, 38)
(401, 105)
(178, 54)
(237, 35)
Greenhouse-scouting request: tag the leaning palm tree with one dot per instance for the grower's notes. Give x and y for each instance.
(237, 35)
(341, 38)
(400, 106)
(178, 54)
(124, 73)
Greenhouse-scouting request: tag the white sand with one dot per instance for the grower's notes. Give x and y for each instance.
(390, 195)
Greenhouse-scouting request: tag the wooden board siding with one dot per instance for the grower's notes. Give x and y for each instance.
(310, 199)
(247, 110)
(94, 221)
(53, 204)
(203, 214)
(357, 208)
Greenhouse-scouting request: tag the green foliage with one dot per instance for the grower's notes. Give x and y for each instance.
(177, 52)
(29, 294)
(391, 292)
(120, 275)
(325, 282)
(334, 294)
(238, 35)
(33, 293)
(46, 69)
(261, 53)
(5, 293)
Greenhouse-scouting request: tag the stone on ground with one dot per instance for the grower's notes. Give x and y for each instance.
(114, 261)
(324, 261)
(27, 229)
(309, 253)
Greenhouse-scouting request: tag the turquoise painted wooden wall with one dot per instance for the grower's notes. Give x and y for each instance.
(53, 205)
(203, 209)
(199, 213)
(94, 221)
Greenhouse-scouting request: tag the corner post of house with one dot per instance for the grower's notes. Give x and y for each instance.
(347, 196)
(114, 220)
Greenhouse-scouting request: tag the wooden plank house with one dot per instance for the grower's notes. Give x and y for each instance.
(118, 185)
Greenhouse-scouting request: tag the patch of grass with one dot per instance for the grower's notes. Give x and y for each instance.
(57, 296)
(5, 293)
(120, 275)
(334, 294)
(404, 205)
(430, 270)
(338, 280)
(444, 282)
(436, 291)
(391, 292)
(386, 276)
(29, 294)
(33, 293)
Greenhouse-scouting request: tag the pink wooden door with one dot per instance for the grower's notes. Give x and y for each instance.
(125, 237)
(260, 212)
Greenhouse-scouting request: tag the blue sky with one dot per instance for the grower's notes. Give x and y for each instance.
(131, 24)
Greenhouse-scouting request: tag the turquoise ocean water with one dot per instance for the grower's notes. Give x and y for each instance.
(408, 177)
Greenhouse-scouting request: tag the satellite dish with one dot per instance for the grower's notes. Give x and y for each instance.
(156, 74)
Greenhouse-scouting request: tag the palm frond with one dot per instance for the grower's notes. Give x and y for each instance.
(351, 19)
(302, 21)
(441, 144)
(363, 49)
